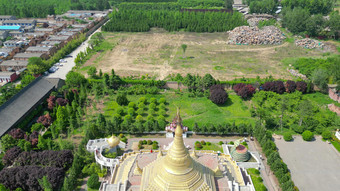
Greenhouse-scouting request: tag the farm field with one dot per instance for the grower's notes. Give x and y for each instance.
(199, 110)
(159, 53)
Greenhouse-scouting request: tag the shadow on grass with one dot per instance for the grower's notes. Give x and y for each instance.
(229, 102)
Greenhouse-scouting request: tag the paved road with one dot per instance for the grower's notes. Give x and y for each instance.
(63, 70)
(314, 166)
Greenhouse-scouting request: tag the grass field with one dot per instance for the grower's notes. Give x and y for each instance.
(322, 100)
(199, 110)
(159, 53)
(255, 177)
(212, 147)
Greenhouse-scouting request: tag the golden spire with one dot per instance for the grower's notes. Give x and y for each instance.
(193, 154)
(113, 141)
(179, 119)
(138, 170)
(160, 154)
(177, 170)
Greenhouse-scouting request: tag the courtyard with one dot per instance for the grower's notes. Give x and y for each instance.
(314, 166)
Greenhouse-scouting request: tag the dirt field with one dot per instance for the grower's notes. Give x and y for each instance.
(158, 53)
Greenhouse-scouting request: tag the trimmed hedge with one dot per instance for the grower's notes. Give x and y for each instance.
(274, 160)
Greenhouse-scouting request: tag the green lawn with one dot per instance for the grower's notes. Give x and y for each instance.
(200, 110)
(257, 181)
(336, 145)
(213, 147)
(320, 99)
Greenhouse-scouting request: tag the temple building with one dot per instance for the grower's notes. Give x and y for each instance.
(177, 170)
(174, 168)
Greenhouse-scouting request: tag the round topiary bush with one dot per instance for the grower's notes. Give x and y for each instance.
(144, 142)
(326, 134)
(93, 181)
(208, 143)
(198, 146)
(142, 100)
(220, 143)
(307, 135)
(154, 146)
(287, 136)
(122, 100)
(162, 100)
(132, 105)
(149, 142)
(231, 142)
(203, 142)
(153, 100)
(259, 179)
(120, 111)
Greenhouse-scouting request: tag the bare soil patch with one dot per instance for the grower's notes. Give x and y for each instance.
(159, 53)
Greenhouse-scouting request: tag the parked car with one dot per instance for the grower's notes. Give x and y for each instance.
(68, 56)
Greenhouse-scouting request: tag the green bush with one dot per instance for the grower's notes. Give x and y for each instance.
(161, 112)
(153, 100)
(203, 142)
(124, 139)
(132, 105)
(152, 111)
(162, 106)
(326, 134)
(93, 181)
(144, 142)
(198, 146)
(297, 128)
(152, 106)
(220, 143)
(140, 142)
(307, 135)
(139, 118)
(150, 142)
(155, 142)
(141, 105)
(150, 118)
(120, 111)
(287, 136)
(122, 99)
(140, 111)
(142, 100)
(208, 143)
(231, 142)
(259, 179)
(131, 111)
(162, 100)
(154, 146)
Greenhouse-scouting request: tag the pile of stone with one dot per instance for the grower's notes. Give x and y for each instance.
(255, 21)
(309, 43)
(245, 35)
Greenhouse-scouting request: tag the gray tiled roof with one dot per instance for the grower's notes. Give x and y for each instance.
(19, 105)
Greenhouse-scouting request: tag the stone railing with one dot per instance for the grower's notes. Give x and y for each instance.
(337, 134)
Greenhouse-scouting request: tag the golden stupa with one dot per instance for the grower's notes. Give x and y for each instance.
(177, 170)
(113, 141)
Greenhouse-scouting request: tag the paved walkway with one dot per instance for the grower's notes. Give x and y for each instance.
(269, 178)
(314, 166)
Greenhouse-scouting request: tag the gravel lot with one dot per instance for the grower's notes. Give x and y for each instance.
(315, 166)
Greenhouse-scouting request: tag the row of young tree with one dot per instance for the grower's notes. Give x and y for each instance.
(321, 71)
(301, 21)
(274, 160)
(42, 8)
(132, 20)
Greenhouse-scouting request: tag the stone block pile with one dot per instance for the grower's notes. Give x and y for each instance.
(255, 21)
(245, 35)
(309, 43)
